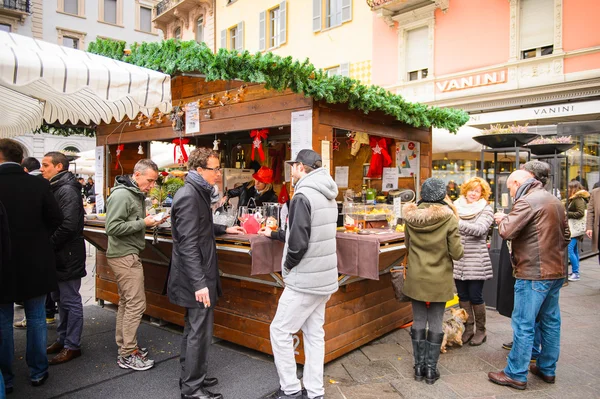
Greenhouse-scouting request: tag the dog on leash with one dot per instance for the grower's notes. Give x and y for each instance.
(454, 328)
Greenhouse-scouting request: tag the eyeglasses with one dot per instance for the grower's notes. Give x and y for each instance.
(217, 170)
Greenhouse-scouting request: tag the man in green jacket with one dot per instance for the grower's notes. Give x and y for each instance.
(126, 224)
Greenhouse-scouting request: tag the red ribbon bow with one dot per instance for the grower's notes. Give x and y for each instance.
(120, 149)
(258, 136)
(184, 155)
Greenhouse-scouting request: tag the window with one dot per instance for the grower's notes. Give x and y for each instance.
(417, 54)
(336, 13)
(536, 28)
(177, 34)
(110, 11)
(273, 27)
(71, 148)
(145, 19)
(5, 28)
(200, 29)
(71, 6)
(233, 37)
(342, 70)
(71, 42)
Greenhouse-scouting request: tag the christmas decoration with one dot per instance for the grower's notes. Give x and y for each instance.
(380, 157)
(182, 157)
(177, 119)
(335, 144)
(360, 138)
(277, 156)
(175, 57)
(216, 144)
(258, 136)
(120, 148)
(283, 195)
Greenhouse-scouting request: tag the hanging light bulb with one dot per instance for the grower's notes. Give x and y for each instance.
(140, 149)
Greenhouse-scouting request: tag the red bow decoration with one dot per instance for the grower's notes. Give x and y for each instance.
(258, 136)
(120, 149)
(283, 195)
(380, 157)
(184, 155)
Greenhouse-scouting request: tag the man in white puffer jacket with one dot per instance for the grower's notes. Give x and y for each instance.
(309, 268)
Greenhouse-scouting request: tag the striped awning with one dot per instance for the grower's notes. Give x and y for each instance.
(41, 81)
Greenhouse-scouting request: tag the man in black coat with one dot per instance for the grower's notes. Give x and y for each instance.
(69, 248)
(194, 277)
(30, 274)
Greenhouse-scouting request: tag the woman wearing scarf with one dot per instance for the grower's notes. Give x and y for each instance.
(470, 272)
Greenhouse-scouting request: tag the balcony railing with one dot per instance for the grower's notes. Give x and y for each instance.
(165, 5)
(377, 3)
(18, 5)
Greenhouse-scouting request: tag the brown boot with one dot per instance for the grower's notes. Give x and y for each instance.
(54, 348)
(64, 356)
(480, 336)
(470, 323)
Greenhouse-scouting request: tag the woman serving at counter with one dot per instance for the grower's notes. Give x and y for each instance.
(260, 189)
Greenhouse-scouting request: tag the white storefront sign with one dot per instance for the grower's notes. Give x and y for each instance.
(544, 112)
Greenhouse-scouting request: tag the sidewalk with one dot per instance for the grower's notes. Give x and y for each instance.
(382, 369)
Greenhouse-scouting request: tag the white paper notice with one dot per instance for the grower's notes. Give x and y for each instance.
(192, 118)
(99, 178)
(325, 151)
(398, 207)
(287, 171)
(341, 175)
(301, 133)
(390, 179)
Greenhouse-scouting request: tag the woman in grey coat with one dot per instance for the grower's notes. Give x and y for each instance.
(470, 272)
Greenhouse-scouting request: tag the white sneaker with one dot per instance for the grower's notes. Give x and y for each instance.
(574, 277)
(135, 361)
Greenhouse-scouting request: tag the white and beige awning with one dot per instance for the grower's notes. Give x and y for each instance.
(44, 82)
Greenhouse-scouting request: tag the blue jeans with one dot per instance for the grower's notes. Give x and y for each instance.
(535, 300)
(574, 255)
(37, 335)
(2, 393)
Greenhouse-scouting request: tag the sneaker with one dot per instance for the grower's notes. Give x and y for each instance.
(135, 361)
(142, 351)
(21, 324)
(50, 320)
(507, 346)
(574, 277)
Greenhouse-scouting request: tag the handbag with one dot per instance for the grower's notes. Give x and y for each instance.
(577, 226)
(398, 274)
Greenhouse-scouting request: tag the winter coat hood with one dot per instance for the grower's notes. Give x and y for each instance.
(426, 217)
(126, 182)
(320, 180)
(581, 194)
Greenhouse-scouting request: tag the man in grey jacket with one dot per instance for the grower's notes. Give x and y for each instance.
(309, 268)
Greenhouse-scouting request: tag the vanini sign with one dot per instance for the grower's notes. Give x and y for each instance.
(468, 82)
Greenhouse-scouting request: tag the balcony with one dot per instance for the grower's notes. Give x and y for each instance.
(19, 9)
(387, 9)
(183, 11)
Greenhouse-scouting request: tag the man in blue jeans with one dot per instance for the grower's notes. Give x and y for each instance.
(539, 233)
(29, 273)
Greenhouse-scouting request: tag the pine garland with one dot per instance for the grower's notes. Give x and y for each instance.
(173, 57)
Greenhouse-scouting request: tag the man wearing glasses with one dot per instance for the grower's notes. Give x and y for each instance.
(194, 277)
(126, 224)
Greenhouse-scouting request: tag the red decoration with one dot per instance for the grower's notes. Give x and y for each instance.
(380, 157)
(184, 155)
(277, 155)
(349, 142)
(120, 148)
(258, 136)
(283, 195)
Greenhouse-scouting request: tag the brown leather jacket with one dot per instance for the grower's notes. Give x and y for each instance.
(538, 229)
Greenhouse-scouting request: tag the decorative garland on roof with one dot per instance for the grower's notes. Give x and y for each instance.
(173, 57)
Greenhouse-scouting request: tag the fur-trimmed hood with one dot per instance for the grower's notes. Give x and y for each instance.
(580, 194)
(426, 217)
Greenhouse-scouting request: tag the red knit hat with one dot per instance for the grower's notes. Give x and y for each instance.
(264, 175)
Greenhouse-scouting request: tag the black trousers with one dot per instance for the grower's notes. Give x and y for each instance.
(470, 291)
(195, 343)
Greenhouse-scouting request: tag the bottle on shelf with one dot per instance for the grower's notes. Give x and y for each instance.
(364, 194)
(243, 160)
(238, 160)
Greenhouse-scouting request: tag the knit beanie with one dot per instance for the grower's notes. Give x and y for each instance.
(433, 190)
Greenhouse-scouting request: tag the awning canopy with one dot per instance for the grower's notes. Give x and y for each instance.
(41, 81)
(443, 141)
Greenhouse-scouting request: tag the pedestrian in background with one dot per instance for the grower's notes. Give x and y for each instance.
(433, 242)
(4, 259)
(538, 230)
(32, 166)
(578, 199)
(194, 281)
(475, 219)
(69, 248)
(593, 219)
(33, 215)
(126, 223)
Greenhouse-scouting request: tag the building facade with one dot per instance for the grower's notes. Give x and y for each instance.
(76, 23)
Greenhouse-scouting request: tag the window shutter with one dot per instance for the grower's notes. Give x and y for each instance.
(317, 9)
(337, 20)
(224, 38)
(536, 24)
(239, 42)
(346, 10)
(417, 49)
(262, 30)
(282, 23)
(345, 69)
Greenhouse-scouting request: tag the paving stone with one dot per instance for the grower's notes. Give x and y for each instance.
(524, 395)
(370, 391)
(461, 364)
(335, 371)
(406, 367)
(378, 371)
(384, 351)
(474, 385)
(333, 392)
(411, 389)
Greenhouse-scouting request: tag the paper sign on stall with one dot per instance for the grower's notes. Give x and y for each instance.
(301, 132)
(341, 175)
(99, 176)
(287, 171)
(325, 158)
(192, 118)
(390, 179)
(398, 207)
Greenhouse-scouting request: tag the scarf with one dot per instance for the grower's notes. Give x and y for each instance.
(524, 187)
(469, 211)
(197, 178)
(56, 178)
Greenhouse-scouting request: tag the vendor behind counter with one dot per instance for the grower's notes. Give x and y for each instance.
(260, 189)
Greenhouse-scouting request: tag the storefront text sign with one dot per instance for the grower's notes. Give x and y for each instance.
(467, 82)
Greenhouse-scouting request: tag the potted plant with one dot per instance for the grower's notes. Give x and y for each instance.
(551, 145)
(498, 136)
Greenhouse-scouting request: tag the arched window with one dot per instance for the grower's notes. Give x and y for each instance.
(71, 148)
(200, 29)
(177, 34)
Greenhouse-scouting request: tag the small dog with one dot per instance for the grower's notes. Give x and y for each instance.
(454, 328)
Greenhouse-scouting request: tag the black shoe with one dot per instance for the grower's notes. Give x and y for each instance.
(432, 355)
(508, 346)
(282, 395)
(203, 394)
(40, 382)
(210, 382)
